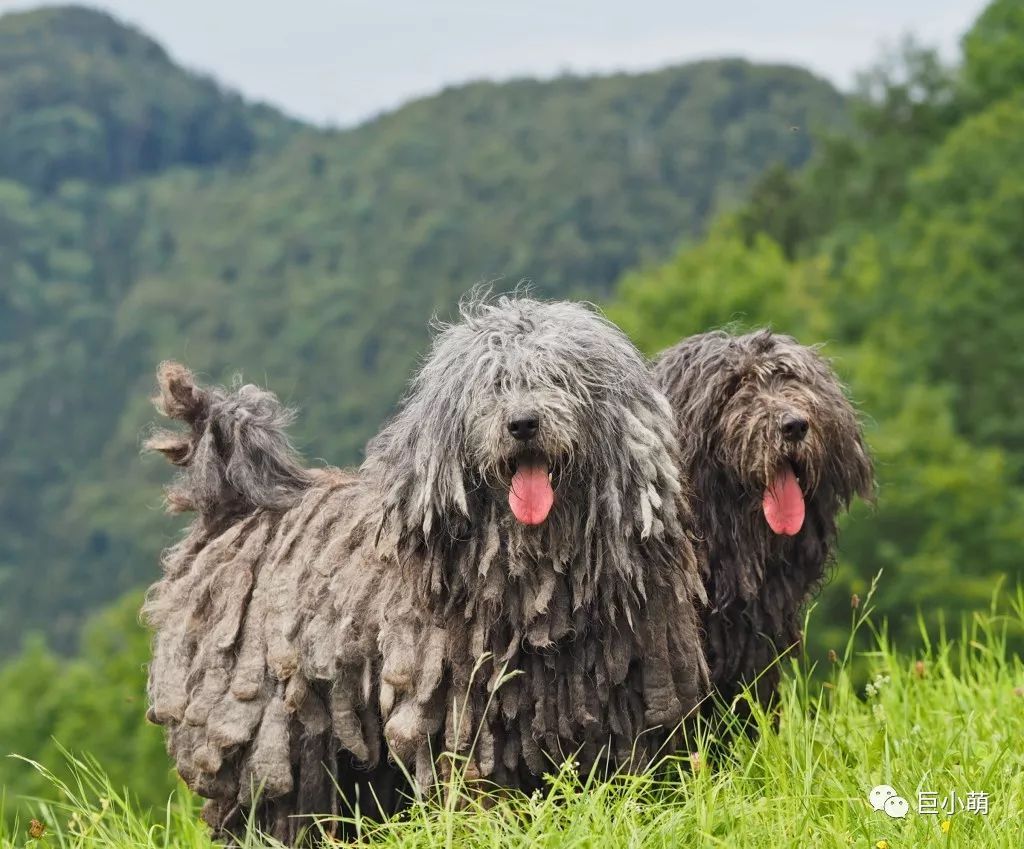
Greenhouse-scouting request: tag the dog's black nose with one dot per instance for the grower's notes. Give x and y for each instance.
(794, 428)
(524, 427)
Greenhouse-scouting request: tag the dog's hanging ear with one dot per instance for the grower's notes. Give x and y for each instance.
(859, 471)
(855, 474)
(418, 462)
(699, 375)
(654, 489)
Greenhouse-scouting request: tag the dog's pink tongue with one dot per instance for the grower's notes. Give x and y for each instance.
(783, 503)
(530, 495)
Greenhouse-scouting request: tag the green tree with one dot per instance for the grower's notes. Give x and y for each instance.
(994, 52)
(93, 704)
(955, 279)
(858, 177)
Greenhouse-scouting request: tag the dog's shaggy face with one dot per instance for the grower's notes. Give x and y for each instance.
(767, 416)
(543, 412)
(548, 402)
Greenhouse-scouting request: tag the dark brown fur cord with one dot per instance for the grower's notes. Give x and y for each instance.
(732, 396)
(314, 627)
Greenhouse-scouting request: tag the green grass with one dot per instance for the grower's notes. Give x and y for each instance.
(947, 717)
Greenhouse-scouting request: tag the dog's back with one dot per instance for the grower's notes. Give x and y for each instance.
(262, 688)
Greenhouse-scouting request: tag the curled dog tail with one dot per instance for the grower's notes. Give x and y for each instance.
(235, 456)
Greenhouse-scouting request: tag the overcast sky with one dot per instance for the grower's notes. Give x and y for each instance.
(339, 61)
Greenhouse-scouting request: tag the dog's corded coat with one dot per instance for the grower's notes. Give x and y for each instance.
(734, 398)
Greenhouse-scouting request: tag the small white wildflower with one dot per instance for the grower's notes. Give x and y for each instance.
(874, 688)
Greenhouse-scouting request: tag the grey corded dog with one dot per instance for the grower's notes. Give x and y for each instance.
(509, 578)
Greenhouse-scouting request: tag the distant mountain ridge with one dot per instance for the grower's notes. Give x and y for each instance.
(82, 96)
(310, 260)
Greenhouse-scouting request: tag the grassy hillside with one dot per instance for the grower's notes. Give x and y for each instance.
(313, 268)
(942, 720)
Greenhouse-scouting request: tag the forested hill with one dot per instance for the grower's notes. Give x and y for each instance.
(84, 97)
(146, 213)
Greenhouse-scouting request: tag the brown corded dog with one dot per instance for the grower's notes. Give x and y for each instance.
(774, 451)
